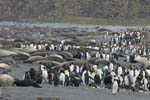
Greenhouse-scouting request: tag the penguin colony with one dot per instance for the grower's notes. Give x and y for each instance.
(119, 61)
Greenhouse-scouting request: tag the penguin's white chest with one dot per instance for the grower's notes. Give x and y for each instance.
(146, 84)
(126, 81)
(62, 77)
(114, 87)
(45, 74)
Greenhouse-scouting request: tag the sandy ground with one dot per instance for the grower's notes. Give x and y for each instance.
(69, 93)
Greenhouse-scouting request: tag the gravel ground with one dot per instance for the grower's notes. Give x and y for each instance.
(69, 93)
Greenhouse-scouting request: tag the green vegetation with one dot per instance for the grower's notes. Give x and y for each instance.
(95, 21)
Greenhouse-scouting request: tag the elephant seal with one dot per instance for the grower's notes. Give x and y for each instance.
(26, 83)
(8, 60)
(6, 80)
(21, 55)
(34, 58)
(55, 58)
(66, 55)
(5, 66)
(6, 53)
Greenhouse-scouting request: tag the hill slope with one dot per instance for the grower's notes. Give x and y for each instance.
(107, 9)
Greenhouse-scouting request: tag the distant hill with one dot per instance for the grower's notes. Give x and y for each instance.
(106, 9)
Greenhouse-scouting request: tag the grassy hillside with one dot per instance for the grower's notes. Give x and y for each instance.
(62, 9)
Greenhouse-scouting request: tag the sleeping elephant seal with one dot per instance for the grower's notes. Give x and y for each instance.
(47, 63)
(34, 58)
(43, 54)
(6, 80)
(66, 55)
(5, 67)
(8, 60)
(56, 58)
(21, 55)
(6, 53)
(26, 83)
